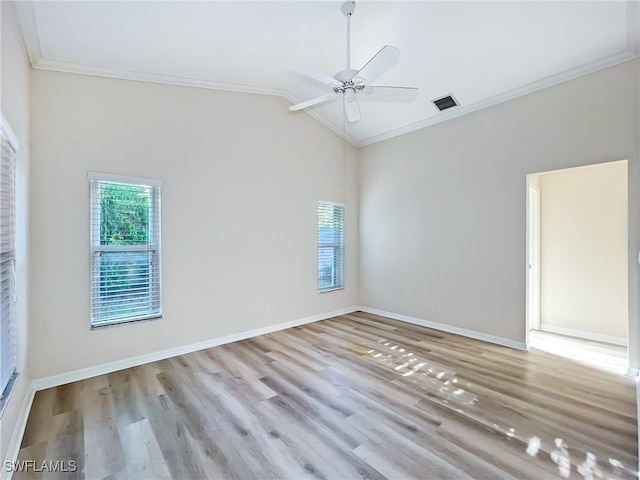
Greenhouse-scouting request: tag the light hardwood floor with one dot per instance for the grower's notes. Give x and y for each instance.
(357, 396)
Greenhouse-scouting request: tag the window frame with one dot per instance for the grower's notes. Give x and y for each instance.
(6, 388)
(339, 284)
(153, 246)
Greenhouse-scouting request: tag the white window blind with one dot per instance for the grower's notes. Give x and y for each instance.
(125, 249)
(8, 352)
(330, 246)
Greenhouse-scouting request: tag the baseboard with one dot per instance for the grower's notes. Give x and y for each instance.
(84, 373)
(448, 328)
(596, 337)
(18, 432)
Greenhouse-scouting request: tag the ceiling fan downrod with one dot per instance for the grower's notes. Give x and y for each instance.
(348, 9)
(346, 77)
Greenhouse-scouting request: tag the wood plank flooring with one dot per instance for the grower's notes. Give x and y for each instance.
(357, 396)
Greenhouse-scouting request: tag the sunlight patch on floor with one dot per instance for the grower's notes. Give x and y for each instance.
(610, 358)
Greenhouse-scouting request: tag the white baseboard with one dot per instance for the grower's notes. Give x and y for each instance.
(18, 432)
(596, 337)
(448, 328)
(84, 373)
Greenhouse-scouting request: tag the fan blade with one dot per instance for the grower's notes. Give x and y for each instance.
(389, 94)
(321, 77)
(312, 102)
(351, 108)
(380, 63)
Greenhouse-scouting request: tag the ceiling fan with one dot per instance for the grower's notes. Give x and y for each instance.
(355, 84)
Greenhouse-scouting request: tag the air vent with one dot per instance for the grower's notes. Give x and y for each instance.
(445, 102)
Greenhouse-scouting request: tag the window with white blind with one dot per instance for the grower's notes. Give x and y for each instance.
(8, 353)
(125, 249)
(330, 246)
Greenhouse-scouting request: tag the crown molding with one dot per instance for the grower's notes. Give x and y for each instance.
(592, 67)
(69, 67)
(31, 36)
(27, 18)
(124, 74)
(631, 52)
(29, 25)
(121, 74)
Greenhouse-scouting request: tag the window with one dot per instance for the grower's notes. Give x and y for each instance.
(125, 249)
(330, 246)
(8, 354)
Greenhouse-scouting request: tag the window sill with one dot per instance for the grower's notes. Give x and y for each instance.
(6, 395)
(330, 289)
(99, 326)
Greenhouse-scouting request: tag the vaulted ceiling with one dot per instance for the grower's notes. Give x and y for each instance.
(481, 52)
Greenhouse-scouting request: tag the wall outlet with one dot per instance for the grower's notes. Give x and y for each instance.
(267, 311)
(430, 307)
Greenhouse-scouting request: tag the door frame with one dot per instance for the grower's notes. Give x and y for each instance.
(533, 256)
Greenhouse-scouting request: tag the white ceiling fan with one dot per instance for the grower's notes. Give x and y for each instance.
(354, 85)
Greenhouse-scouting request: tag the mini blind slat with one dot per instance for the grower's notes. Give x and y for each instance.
(110, 294)
(125, 243)
(7, 263)
(330, 246)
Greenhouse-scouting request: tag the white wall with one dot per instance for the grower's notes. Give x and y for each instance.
(14, 103)
(241, 180)
(583, 219)
(442, 217)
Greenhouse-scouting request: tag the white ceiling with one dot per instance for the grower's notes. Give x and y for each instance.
(481, 52)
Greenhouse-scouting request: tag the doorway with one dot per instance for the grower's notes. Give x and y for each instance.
(577, 256)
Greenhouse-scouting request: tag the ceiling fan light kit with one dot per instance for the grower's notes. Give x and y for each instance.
(353, 84)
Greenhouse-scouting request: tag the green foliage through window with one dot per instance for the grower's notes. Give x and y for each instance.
(124, 214)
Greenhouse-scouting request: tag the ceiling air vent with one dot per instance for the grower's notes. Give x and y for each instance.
(445, 102)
